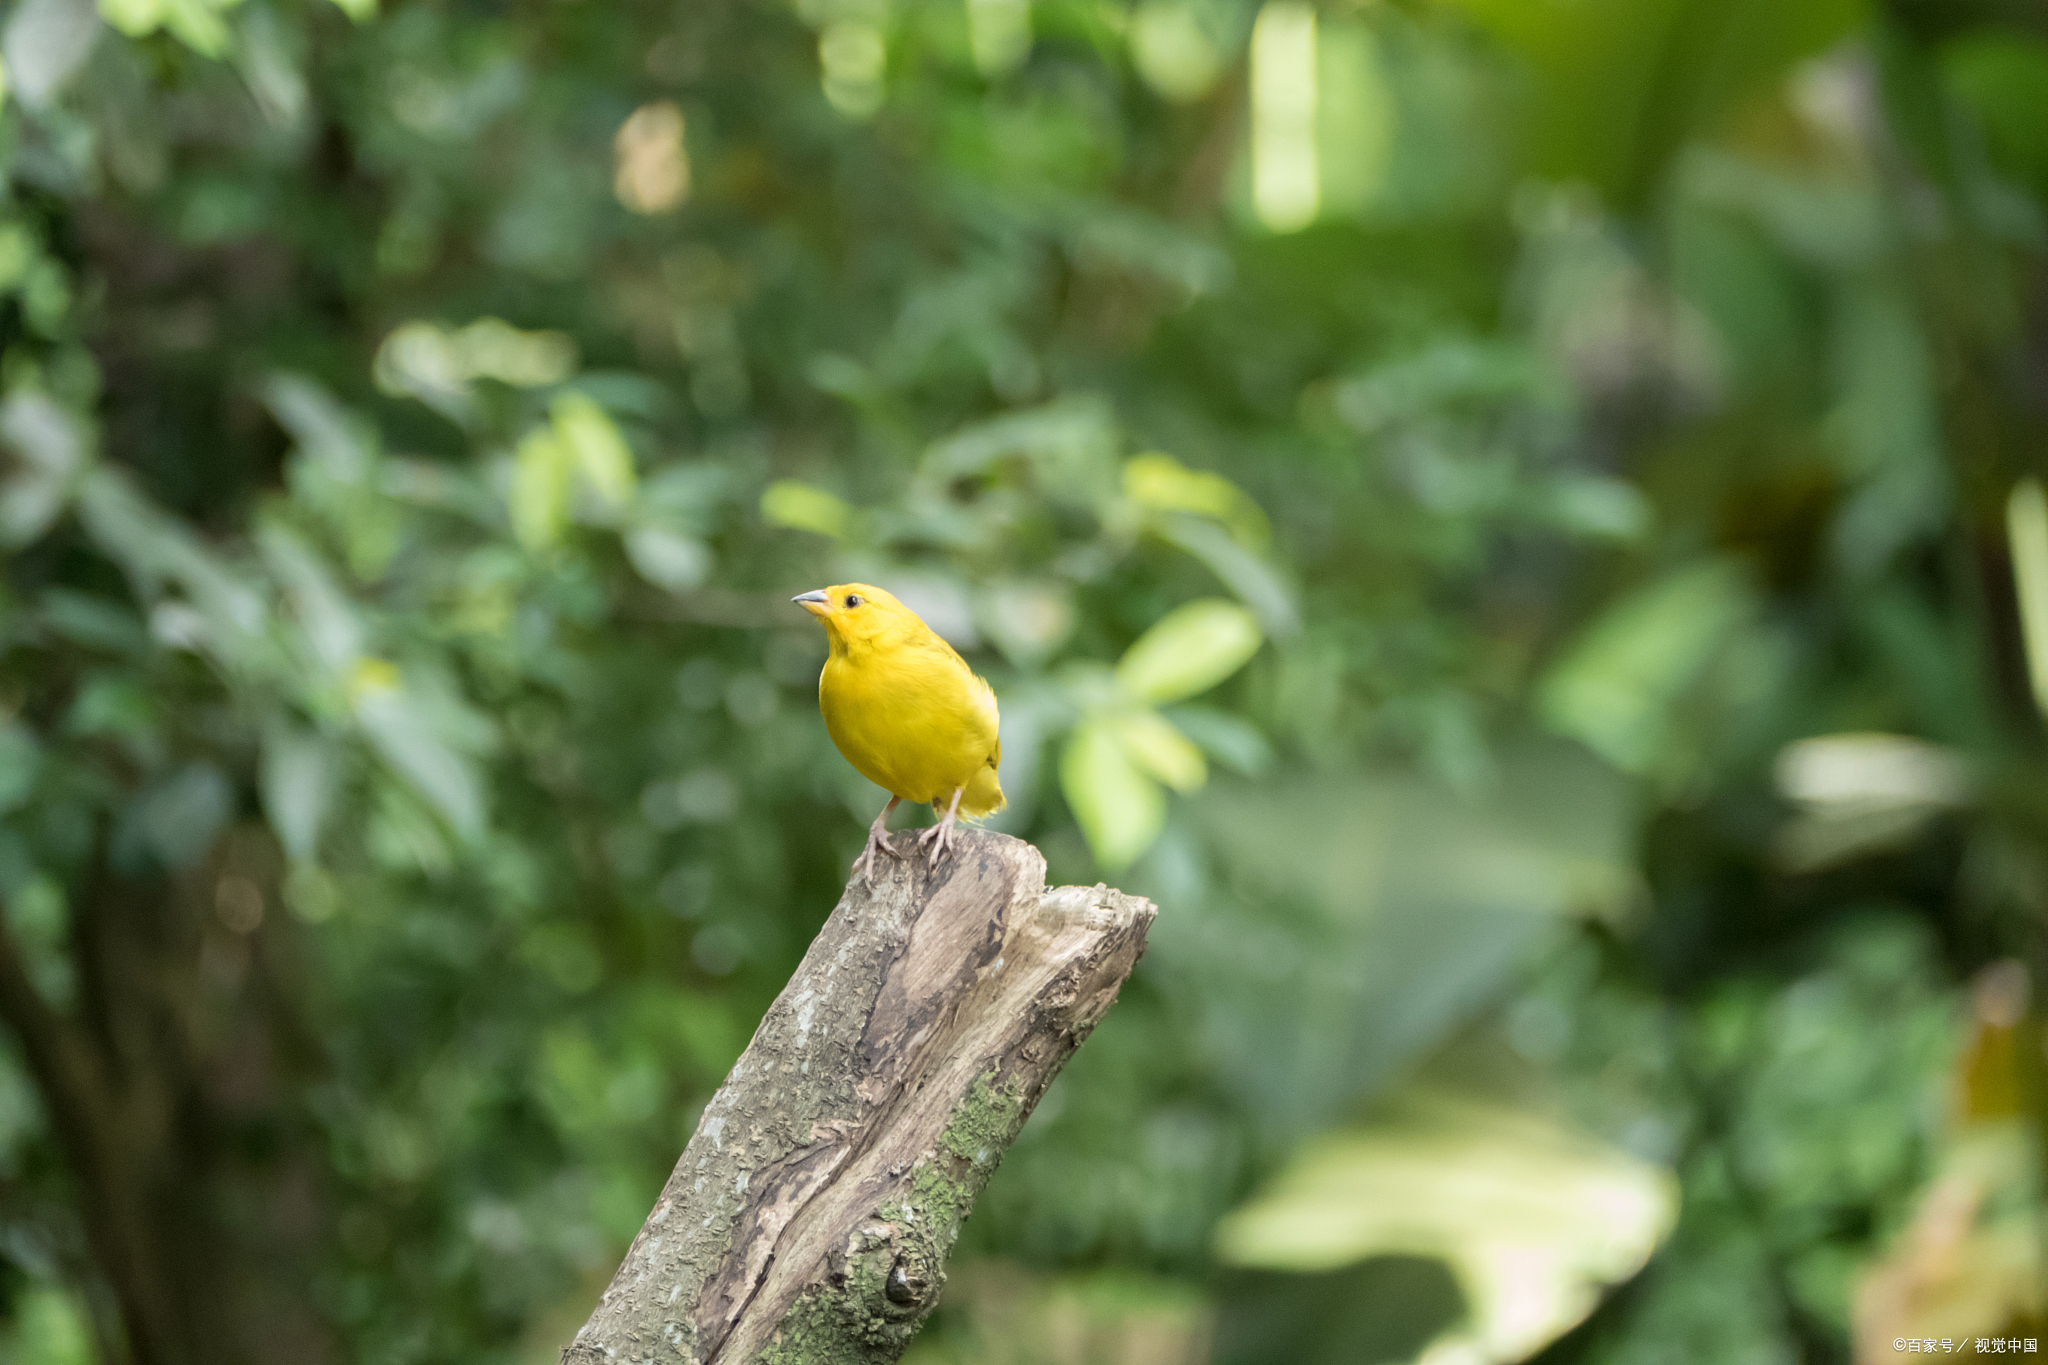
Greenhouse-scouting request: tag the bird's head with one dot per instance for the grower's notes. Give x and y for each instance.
(856, 613)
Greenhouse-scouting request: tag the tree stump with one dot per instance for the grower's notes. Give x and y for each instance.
(810, 1217)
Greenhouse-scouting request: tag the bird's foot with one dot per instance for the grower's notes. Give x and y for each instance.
(936, 840)
(940, 836)
(865, 864)
(878, 838)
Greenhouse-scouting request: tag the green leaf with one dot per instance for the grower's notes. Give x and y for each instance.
(298, 784)
(805, 507)
(156, 549)
(668, 559)
(414, 741)
(1256, 582)
(1164, 484)
(46, 43)
(1616, 687)
(1175, 52)
(265, 56)
(135, 18)
(324, 613)
(1596, 506)
(420, 360)
(94, 621)
(1070, 445)
(1161, 750)
(115, 704)
(49, 1327)
(49, 449)
(539, 496)
(1120, 809)
(336, 440)
(21, 759)
(198, 24)
(597, 452)
(491, 348)
(1027, 621)
(1229, 739)
(1189, 650)
(1533, 1218)
(181, 817)
(1456, 372)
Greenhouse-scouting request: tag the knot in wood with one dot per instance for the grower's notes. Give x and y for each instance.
(909, 1285)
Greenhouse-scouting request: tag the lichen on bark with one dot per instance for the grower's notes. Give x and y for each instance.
(867, 1311)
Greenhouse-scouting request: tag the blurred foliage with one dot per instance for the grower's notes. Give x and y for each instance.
(1501, 517)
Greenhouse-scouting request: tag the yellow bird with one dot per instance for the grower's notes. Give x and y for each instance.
(906, 711)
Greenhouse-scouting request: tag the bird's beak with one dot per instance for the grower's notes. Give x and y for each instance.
(815, 602)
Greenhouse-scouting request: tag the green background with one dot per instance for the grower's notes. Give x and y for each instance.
(1542, 617)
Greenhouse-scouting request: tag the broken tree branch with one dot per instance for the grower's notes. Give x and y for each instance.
(809, 1219)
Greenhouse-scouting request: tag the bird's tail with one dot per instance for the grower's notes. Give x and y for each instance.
(984, 795)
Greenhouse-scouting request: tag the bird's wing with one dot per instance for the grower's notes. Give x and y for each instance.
(981, 696)
(985, 700)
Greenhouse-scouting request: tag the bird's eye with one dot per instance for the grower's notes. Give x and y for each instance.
(853, 599)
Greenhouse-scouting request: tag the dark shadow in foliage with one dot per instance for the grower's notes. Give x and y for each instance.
(1386, 1308)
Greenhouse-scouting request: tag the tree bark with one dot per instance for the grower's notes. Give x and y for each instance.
(809, 1219)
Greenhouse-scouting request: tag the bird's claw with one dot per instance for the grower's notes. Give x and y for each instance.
(940, 838)
(864, 865)
(878, 837)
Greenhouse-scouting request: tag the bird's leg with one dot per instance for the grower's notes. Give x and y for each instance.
(878, 837)
(940, 836)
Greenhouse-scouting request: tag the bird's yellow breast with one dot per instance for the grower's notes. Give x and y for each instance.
(913, 718)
